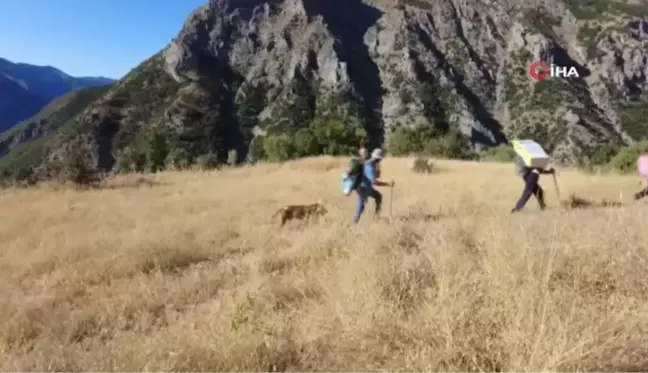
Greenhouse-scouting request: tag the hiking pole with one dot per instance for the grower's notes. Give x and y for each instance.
(391, 199)
(556, 185)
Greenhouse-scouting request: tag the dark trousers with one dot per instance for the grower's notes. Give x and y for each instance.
(641, 194)
(531, 187)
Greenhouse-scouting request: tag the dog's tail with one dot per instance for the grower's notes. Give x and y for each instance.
(277, 213)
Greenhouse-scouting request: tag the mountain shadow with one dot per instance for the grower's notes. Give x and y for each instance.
(349, 21)
(479, 111)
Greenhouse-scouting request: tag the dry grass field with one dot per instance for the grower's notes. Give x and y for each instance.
(188, 273)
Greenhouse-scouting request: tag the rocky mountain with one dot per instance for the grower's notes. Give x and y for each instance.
(296, 77)
(25, 89)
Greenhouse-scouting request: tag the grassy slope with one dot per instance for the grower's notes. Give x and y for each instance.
(191, 274)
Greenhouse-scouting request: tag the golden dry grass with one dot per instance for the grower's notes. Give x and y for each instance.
(189, 274)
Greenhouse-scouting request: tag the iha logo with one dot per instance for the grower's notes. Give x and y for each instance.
(540, 70)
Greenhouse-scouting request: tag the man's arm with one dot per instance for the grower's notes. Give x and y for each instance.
(382, 183)
(371, 175)
(546, 172)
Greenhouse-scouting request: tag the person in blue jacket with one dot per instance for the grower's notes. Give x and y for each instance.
(366, 188)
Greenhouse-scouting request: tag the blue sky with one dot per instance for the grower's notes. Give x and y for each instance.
(89, 37)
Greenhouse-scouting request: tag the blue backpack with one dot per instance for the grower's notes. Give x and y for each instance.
(352, 179)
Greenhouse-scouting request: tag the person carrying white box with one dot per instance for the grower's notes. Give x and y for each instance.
(529, 165)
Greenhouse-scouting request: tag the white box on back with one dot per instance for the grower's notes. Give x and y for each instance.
(532, 153)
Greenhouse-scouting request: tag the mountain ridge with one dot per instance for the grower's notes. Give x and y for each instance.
(35, 86)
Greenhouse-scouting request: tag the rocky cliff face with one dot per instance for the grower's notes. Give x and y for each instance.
(246, 68)
(470, 56)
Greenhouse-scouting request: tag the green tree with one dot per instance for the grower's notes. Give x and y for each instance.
(453, 145)
(77, 164)
(250, 102)
(124, 160)
(298, 110)
(306, 143)
(435, 100)
(157, 151)
(256, 151)
(408, 141)
(344, 104)
(400, 143)
(336, 137)
(204, 136)
(208, 161)
(131, 159)
(279, 148)
(303, 106)
(626, 159)
(603, 155)
(502, 153)
(179, 158)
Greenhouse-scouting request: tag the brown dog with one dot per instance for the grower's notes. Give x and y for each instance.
(300, 212)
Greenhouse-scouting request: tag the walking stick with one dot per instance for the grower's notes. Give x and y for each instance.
(391, 199)
(556, 185)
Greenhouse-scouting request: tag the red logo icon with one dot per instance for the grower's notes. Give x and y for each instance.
(539, 70)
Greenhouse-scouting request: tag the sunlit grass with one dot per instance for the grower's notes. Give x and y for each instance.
(186, 272)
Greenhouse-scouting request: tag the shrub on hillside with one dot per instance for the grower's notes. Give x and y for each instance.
(306, 143)
(453, 145)
(502, 153)
(407, 141)
(330, 136)
(626, 159)
(178, 159)
(279, 148)
(336, 137)
(77, 164)
(207, 161)
(401, 143)
(158, 150)
(130, 159)
(599, 161)
(603, 155)
(422, 165)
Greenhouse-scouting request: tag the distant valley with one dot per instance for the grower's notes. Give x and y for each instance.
(25, 89)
